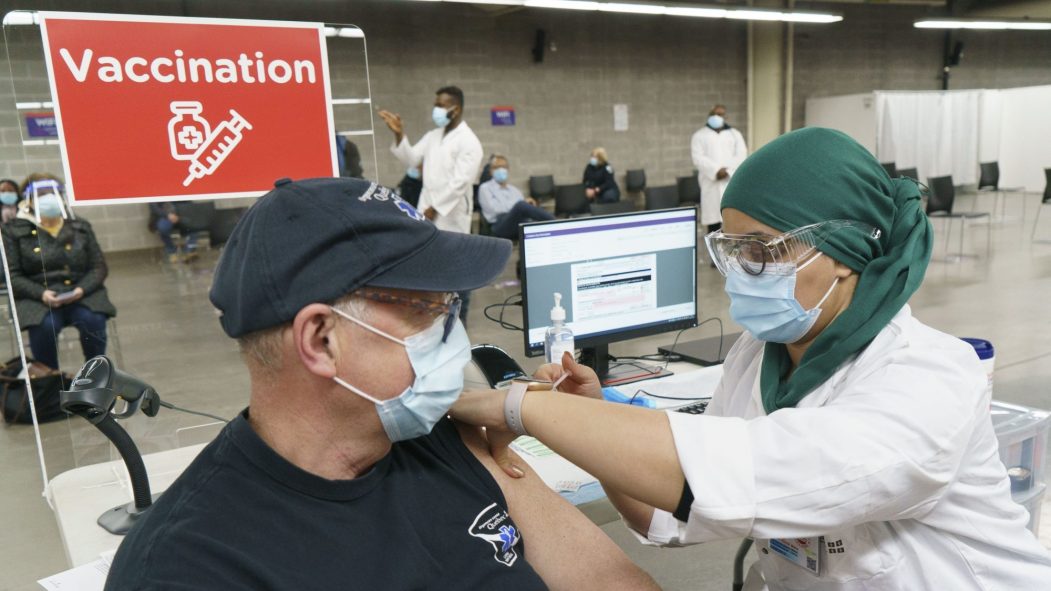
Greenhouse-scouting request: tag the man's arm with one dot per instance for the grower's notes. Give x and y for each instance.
(563, 546)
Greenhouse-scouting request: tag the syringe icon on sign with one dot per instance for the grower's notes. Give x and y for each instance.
(217, 147)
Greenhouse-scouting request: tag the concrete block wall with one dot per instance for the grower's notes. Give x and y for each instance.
(877, 48)
(668, 70)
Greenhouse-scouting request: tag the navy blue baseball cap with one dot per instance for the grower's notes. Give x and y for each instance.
(317, 240)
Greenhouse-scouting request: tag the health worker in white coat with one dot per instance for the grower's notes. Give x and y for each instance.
(717, 150)
(850, 440)
(451, 158)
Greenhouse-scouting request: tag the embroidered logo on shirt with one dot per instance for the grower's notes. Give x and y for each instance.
(494, 525)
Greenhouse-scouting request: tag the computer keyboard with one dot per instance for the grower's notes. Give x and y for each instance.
(696, 408)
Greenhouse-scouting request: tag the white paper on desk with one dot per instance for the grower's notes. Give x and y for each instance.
(686, 386)
(558, 472)
(86, 577)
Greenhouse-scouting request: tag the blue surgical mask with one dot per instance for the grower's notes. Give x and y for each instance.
(593, 161)
(766, 305)
(500, 175)
(716, 122)
(49, 206)
(8, 198)
(413, 173)
(438, 383)
(440, 116)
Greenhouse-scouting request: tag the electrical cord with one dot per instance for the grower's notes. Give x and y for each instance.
(652, 395)
(669, 357)
(503, 306)
(192, 412)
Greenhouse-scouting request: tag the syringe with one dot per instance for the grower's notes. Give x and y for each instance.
(221, 142)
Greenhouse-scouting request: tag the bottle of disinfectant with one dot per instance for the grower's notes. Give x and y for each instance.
(558, 338)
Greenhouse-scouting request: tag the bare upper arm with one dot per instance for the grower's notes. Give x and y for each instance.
(565, 548)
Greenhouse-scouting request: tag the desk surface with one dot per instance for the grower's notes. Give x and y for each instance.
(80, 495)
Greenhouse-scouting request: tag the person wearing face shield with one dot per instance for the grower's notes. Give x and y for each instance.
(58, 272)
(503, 205)
(851, 441)
(717, 150)
(344, 471)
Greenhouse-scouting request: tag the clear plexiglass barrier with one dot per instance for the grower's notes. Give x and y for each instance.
(146, 303)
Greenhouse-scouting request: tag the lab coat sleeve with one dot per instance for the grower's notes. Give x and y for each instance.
(410, 155)
(702, 161)
(466, 165)
(886, 450)
(740, 152)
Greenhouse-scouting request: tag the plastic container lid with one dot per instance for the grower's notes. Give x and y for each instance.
(982, 347)
(1011, 421)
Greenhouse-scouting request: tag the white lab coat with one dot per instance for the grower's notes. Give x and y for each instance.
(451, 165)
(895, 455)
(711, 151)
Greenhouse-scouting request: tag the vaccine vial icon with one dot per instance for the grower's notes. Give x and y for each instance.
(187, 130)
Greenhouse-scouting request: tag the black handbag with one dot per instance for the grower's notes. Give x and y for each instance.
(47, 383)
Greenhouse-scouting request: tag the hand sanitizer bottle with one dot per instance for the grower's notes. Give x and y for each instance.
(558, 338)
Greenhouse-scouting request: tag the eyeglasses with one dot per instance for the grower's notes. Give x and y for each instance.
(450, 306)
(755, 254)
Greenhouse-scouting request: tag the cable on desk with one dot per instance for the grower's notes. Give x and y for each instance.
(503, 306)
(192, 412)
(652, 395)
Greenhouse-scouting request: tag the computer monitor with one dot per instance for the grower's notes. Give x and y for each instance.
(621, 277)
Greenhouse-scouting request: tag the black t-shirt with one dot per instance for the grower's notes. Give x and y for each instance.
(426, 516)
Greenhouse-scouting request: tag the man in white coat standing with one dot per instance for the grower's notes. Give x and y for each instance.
(717, 150)
(451, 158)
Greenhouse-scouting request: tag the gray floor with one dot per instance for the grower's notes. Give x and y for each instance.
(169, 335)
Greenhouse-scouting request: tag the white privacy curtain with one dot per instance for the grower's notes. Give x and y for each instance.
(935, 132)
(1025, 137)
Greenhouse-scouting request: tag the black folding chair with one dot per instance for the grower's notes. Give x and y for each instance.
(989, 182)
(623, 206)
(542, 187)
(940, 205)
(1044, 201)
(662, 197)
(571, 200)
(689, 189)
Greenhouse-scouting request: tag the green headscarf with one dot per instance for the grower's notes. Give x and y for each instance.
(814, 175)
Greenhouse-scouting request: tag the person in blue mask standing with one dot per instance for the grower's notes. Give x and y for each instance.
(344, 472)
(450, 157)
(717, 150)
(851, 441)
(503, 205)
(57, 273)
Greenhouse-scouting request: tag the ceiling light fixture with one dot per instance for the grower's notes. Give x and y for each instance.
(659, 9)
(986, 25)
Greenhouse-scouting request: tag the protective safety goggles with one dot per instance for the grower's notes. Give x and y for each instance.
(756, 254)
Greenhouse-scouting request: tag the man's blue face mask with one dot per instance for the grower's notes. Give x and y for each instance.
(438, 367)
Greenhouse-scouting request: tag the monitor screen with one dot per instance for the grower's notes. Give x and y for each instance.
(621, 276)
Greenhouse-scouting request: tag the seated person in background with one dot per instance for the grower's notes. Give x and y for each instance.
(344, 472)
(503, 205)
(598, 178)
(411, 186)
(57, 273)
(164, 221)
(8, 200)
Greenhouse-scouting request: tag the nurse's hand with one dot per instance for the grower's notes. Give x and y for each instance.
(581, 381)
(485, 408)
